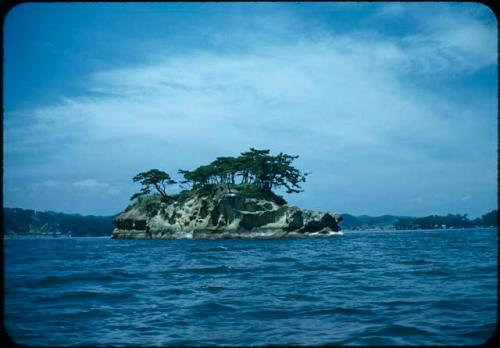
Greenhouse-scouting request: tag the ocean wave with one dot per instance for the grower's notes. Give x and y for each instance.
(211, 270)
(57, 280)
(220, 248)
(305, 291)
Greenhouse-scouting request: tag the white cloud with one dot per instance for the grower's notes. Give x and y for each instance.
(89, 183)
(341, 101)
(85, 184)
(450, 39)
(341, 88)
(47, 184)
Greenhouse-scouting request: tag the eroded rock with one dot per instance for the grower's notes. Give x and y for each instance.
(224, 216)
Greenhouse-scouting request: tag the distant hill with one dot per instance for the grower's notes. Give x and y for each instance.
(351, 222)
(364, 222)
(30, 222)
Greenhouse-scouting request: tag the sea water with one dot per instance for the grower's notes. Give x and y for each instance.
(362, 288)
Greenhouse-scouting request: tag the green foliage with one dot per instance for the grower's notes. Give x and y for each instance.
(21, 221)
(153, 178)
(436, 222)
(245, 190)
(201, 176)
(149, 204)
(256, 167)
(405, 224)
(253, 191)
(254, 174)
(413, 223)
(367, 222)
(182, 196)
(490, 219)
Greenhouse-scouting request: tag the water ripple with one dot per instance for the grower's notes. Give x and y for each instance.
(383, 288)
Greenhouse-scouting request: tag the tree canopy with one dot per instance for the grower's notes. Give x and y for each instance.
(155, 178)
(255, 167)
(255, 170)
(448, 221)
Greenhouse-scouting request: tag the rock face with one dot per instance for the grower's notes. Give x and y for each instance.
(224, 216)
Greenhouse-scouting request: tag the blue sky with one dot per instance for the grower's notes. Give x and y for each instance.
(391, 106)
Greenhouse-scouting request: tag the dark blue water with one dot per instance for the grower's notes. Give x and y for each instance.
(365, 288)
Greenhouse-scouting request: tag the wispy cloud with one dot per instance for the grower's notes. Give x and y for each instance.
(79, 185)
(47, 184)
(90, 183)
(342, 80)
(340, 100)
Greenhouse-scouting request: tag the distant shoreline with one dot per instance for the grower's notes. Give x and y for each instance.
(35, 236)
(421, 229)
(42, 236)
(30, 223)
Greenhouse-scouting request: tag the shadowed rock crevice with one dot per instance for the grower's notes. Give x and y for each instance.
(225, 215)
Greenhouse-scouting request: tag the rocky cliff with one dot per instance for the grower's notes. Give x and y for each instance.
(224, 215)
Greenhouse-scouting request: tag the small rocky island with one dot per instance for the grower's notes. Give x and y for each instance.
(231, 198)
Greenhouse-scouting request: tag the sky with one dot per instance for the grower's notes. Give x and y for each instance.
(391, 106)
